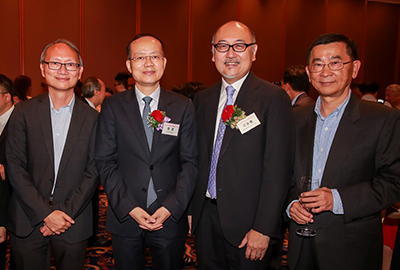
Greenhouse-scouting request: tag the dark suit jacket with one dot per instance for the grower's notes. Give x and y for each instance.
(254, 169)
(126, 164)
(364, 165)
(30, 158)
(303, 100)
(4, 185)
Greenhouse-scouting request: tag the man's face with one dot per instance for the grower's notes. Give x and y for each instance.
(234, 65)
(101, 94)
(62, 79)
(147, 73)
(328, 83)
(393, 97)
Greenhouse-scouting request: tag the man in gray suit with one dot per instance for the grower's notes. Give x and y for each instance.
(50, 155)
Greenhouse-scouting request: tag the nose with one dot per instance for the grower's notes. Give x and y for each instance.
(63, 69)
(326, 71)
(148, 61)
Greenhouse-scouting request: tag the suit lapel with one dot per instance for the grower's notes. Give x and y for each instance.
(210, 110)
(163, 105)
(306, 142)
(75, 126)
(45, 122)
(132, 111)
(345, 138)
(244, 100)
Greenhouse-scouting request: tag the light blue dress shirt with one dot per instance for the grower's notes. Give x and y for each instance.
(60, 121)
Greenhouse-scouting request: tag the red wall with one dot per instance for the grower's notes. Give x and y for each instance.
(284, 29)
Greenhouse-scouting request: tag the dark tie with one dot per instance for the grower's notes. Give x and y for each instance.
(212, 189)
(151, 193)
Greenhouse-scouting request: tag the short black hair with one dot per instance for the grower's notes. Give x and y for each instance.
(128, 47)
(351, 46)
(369, 87)
(297, 78)
(122, 78)
(6, 84)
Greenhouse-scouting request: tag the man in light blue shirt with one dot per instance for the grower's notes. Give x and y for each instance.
(350, 149)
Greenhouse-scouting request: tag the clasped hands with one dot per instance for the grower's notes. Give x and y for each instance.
(56, 223)
(318, 200)
(153, 222)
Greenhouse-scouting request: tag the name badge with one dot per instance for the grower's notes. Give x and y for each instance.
(248, 123)
(170, 129)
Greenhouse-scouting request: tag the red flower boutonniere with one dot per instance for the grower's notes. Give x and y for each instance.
(231, 116)
(157, 119)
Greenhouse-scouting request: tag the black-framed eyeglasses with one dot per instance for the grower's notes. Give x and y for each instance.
(143, 58)
(334, 66)
(237, 47)
(53, 65)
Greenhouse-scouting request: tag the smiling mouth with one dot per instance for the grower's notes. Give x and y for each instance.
(231, 62)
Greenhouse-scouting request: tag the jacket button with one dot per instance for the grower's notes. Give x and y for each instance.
(144, 190)
(151, 167)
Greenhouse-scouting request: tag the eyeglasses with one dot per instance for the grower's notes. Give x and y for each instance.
(143, 58)
(334, 66)
(237, 47)
(57, 65)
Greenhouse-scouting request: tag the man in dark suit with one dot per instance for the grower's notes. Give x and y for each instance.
(351, 150)
(295, 83)
(93, 92)
(50, 155)
(245, 174)
(148, 173)
(6, 109)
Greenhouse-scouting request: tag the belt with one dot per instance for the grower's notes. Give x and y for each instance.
(213, 201)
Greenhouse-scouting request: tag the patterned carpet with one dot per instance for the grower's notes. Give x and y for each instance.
(101, 258)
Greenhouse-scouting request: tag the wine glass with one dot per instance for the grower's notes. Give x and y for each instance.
(306, 185)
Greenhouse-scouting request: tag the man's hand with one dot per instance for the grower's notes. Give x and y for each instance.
(257, 245)
(318, 200)
(3, 234)
(190, 224)
(58, 222)
(299, 214)
(161, 215)
(144, 220)
(2, 172)
(46, 230)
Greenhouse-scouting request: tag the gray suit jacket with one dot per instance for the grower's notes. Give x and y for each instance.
(364, 165)
(30, 157)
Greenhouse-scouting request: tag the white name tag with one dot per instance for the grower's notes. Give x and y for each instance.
(248, 123)
(170, 129)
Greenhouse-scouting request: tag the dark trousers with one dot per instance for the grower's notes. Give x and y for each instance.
(213, 250)
(395, 265)
(166, 254)
(33, 252)
(308, 255)
(3, 249)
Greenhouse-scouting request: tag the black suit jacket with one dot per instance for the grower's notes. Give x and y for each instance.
(254, 169)
(30, 158)
(4, 185)
(364, 166)
(126, 164)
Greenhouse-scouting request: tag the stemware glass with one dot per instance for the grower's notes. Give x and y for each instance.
(306, 185)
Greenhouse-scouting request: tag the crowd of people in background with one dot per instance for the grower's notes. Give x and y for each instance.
(227, 163)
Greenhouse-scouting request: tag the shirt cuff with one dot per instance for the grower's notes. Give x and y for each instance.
(288, 208)
(337, 203)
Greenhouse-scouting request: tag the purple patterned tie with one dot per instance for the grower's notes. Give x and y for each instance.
(212, 189)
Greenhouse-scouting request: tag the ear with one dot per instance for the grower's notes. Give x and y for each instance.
(42, 70)
(356, 68)
(165, 62)
(80, 70)
(254, 52)
(8, 98)
(128, 65)
(308, 73)
(213, 52)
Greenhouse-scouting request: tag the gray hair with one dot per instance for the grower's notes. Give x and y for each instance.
(89, 86)
(393, 87)
(61, 40)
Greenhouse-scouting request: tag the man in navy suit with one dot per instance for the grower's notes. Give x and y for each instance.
(148, 171)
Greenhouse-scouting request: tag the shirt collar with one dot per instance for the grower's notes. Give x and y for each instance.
(70, 105)
(337, 111)
(297, 97)
(4, 117)
(155, 95)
